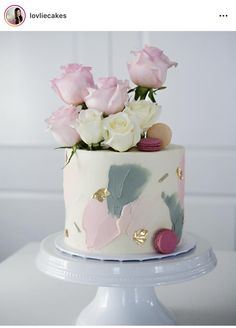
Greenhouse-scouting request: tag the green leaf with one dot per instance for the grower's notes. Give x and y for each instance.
(161, 88)
(64, 147)
(131, 90)
(74, 148)
(84, 106)
(82, 145)
(143, 91)
(96, 146)
(142, 97)
(151, 96)
(136, 95)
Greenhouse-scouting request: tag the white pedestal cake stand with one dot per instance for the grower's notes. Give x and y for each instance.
(126, 294)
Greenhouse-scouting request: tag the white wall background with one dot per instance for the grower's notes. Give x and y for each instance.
(199, 104)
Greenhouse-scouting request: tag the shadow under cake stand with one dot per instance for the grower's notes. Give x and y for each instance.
(126, 294)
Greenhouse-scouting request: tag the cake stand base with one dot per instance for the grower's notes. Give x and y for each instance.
(126, 294)
(125, 306)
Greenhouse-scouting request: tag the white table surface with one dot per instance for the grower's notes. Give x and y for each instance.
(29, 297)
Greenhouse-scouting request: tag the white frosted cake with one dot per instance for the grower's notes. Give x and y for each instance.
(123, 179)
(116, 202)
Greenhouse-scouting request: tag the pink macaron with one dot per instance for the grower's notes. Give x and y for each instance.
(165, 241)
(149, 144)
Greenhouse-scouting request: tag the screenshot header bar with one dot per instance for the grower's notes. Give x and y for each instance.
(111, 15)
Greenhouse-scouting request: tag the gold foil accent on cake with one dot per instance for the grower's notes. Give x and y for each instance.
(163, 177)
(140, 236)
(180, 173)
(66, 233)
(101, 194)
(77, 228)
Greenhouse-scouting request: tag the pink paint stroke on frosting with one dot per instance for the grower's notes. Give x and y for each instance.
(126, 217)
(134, 215)
(181, 182)
(100, 227)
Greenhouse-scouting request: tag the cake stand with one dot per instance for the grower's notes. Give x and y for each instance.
(126, 294)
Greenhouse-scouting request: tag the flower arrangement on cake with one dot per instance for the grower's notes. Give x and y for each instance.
(127, 197)
(109, 114)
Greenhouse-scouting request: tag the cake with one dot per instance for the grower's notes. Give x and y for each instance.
(115, 203)
(123, 180)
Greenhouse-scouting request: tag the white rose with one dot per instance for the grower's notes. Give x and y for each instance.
(120, 132)
(89, 126)
(146, 113)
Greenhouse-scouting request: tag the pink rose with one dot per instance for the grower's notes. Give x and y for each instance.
(61, 125)
(72, 86)
(109, 97)
(149, 67)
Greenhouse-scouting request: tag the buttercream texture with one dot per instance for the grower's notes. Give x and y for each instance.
(120, 200)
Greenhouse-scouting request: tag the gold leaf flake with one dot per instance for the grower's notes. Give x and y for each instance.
(101, 194)
(140, 236)
(180, 173)
(163, 177)
(78, 229)
(66, 233)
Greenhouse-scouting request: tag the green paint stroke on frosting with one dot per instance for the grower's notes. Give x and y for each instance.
(176, 213)
(126, 183)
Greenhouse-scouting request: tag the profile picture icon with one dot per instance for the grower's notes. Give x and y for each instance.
(14, 15)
